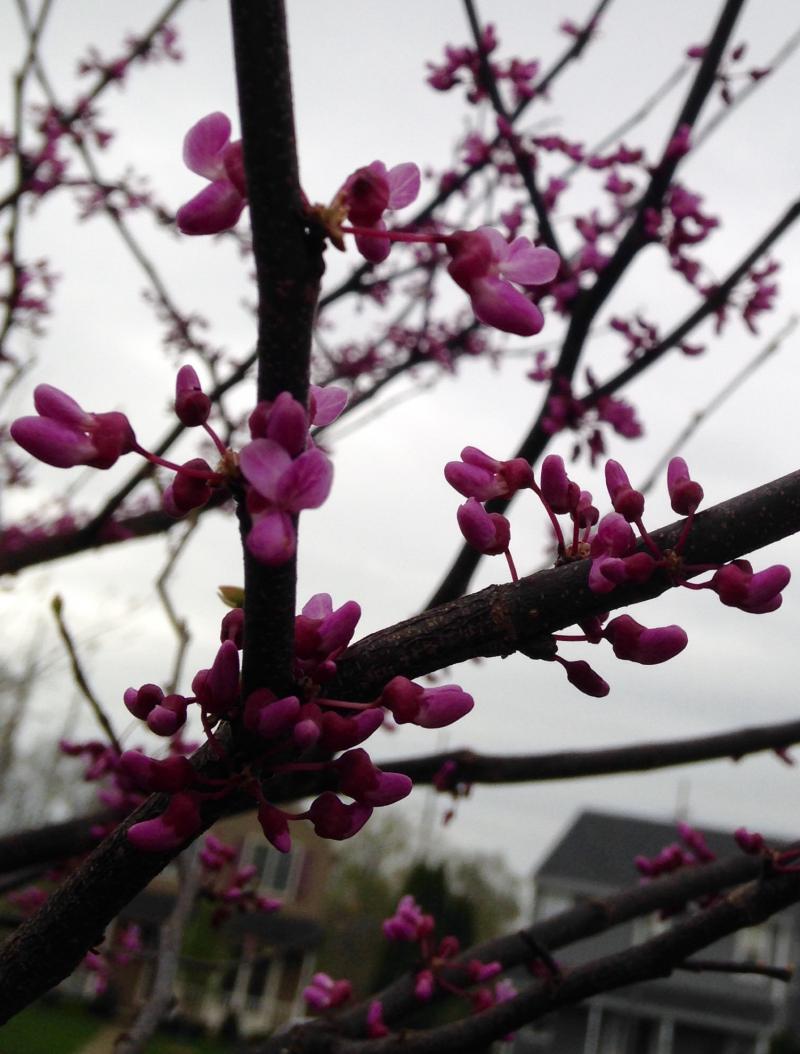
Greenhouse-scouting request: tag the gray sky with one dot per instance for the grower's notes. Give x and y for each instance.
(388, 530)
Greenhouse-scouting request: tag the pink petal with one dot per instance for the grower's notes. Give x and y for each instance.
(497, 303)
(204, 144)
(272, 540)
(216, 208)
(263, 462)
(403, 184)
(307, 482)
(54, 443)
(319, 606)
(374, 248)
(53, 403)
(497, 243)
(529, 265)
(327, 403)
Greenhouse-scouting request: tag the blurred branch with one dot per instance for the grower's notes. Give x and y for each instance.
(473, 767)
(722, 396)
(170, 940)
(495, 621)
(522, 158)
(57, 607)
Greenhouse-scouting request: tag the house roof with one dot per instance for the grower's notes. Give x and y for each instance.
(598, 850)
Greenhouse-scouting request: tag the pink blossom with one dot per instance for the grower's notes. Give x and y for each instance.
(367, 784)
(581, 676)
(333, 819)
(424, 985)
(217, 689)
(64, 435)
(426, 707)
(208, 151)
(376, 1027)
(409, 922)
(192, 405)
(480, 476)
(562, 495)
(324, 993)
(270, 717)
(737, 586)
(630, 640)
(176, 825)
(280, 488)
(484, 264)
(684, 494)
(749, 841)
(488, 532)
(370, 192)
(275, 827)
(626, 501)
(171, 774)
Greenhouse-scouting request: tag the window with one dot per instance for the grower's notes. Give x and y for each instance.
(550, 902)
(278, 872)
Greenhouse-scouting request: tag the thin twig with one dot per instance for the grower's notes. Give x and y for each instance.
(701, 416)
(57, 607)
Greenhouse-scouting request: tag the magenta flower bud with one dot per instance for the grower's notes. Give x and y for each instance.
(367, 784)
(376, 1028)
(192, 405)
(232, 627)
(64, 435)
(586, 514)
(307, 729)
(341, 733)
(626, 501)
(409, 922)
(424, 985)
(332, 630)
(333, 819)
(479, 476)
(684, 494)
(581, 676)
(140, 701)
(188, 491)
(170, 775)
(288, 424)
(177, 824)
(480, 971)
(557, 490)
(275, 827)
(170, 715)
(217, 689)
(426, 707)
(757, 594)
(270, 717)
(614, 536)
(488, 532)
(749, 841)
(630, 640)
(324, 993)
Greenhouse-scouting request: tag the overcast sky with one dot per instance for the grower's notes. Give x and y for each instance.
(388, 532)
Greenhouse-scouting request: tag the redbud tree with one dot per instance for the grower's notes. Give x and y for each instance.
(520, 249)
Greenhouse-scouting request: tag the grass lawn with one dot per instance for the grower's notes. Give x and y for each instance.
(49, 1029)
(66, 1028)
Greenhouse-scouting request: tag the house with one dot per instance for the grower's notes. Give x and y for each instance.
(249, 972)
(686, 1013)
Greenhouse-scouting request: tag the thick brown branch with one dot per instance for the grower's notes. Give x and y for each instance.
(288, 271)
(495, 621)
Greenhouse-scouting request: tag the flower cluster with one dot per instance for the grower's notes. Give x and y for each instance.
(482, 262)
(286, 728)
(616, 555)
(440, 967)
